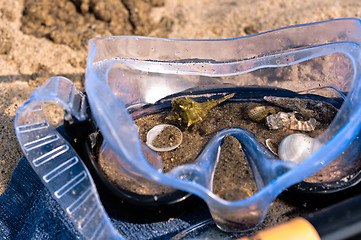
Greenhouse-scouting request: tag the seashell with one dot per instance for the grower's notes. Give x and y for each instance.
(299, 125)
(290, 121)
(271, 146)
(187, 112)
(277, 121)
(320, 110)
(259, 113)
(164, 137)
(296, 148)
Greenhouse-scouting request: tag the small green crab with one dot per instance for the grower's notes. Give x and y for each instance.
(187, 112)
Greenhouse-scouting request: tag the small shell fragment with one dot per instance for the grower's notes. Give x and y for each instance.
(271, 146)
(290, 121)
(164, 137)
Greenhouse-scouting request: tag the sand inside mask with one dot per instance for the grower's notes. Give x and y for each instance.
(233, 179)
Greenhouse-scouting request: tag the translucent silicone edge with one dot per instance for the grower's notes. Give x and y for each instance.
(337, 142)
(56, 162)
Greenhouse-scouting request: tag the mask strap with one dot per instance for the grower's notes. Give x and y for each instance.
(56, 162)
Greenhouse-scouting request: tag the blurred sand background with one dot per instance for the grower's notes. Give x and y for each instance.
(40, 39)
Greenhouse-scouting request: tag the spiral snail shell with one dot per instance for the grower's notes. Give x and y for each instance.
(259, 113)
(289, 120)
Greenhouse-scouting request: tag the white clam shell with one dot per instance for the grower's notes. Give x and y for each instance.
(297, 147)
(155, 131)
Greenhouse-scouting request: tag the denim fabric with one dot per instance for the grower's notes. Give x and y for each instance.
(28, 211)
